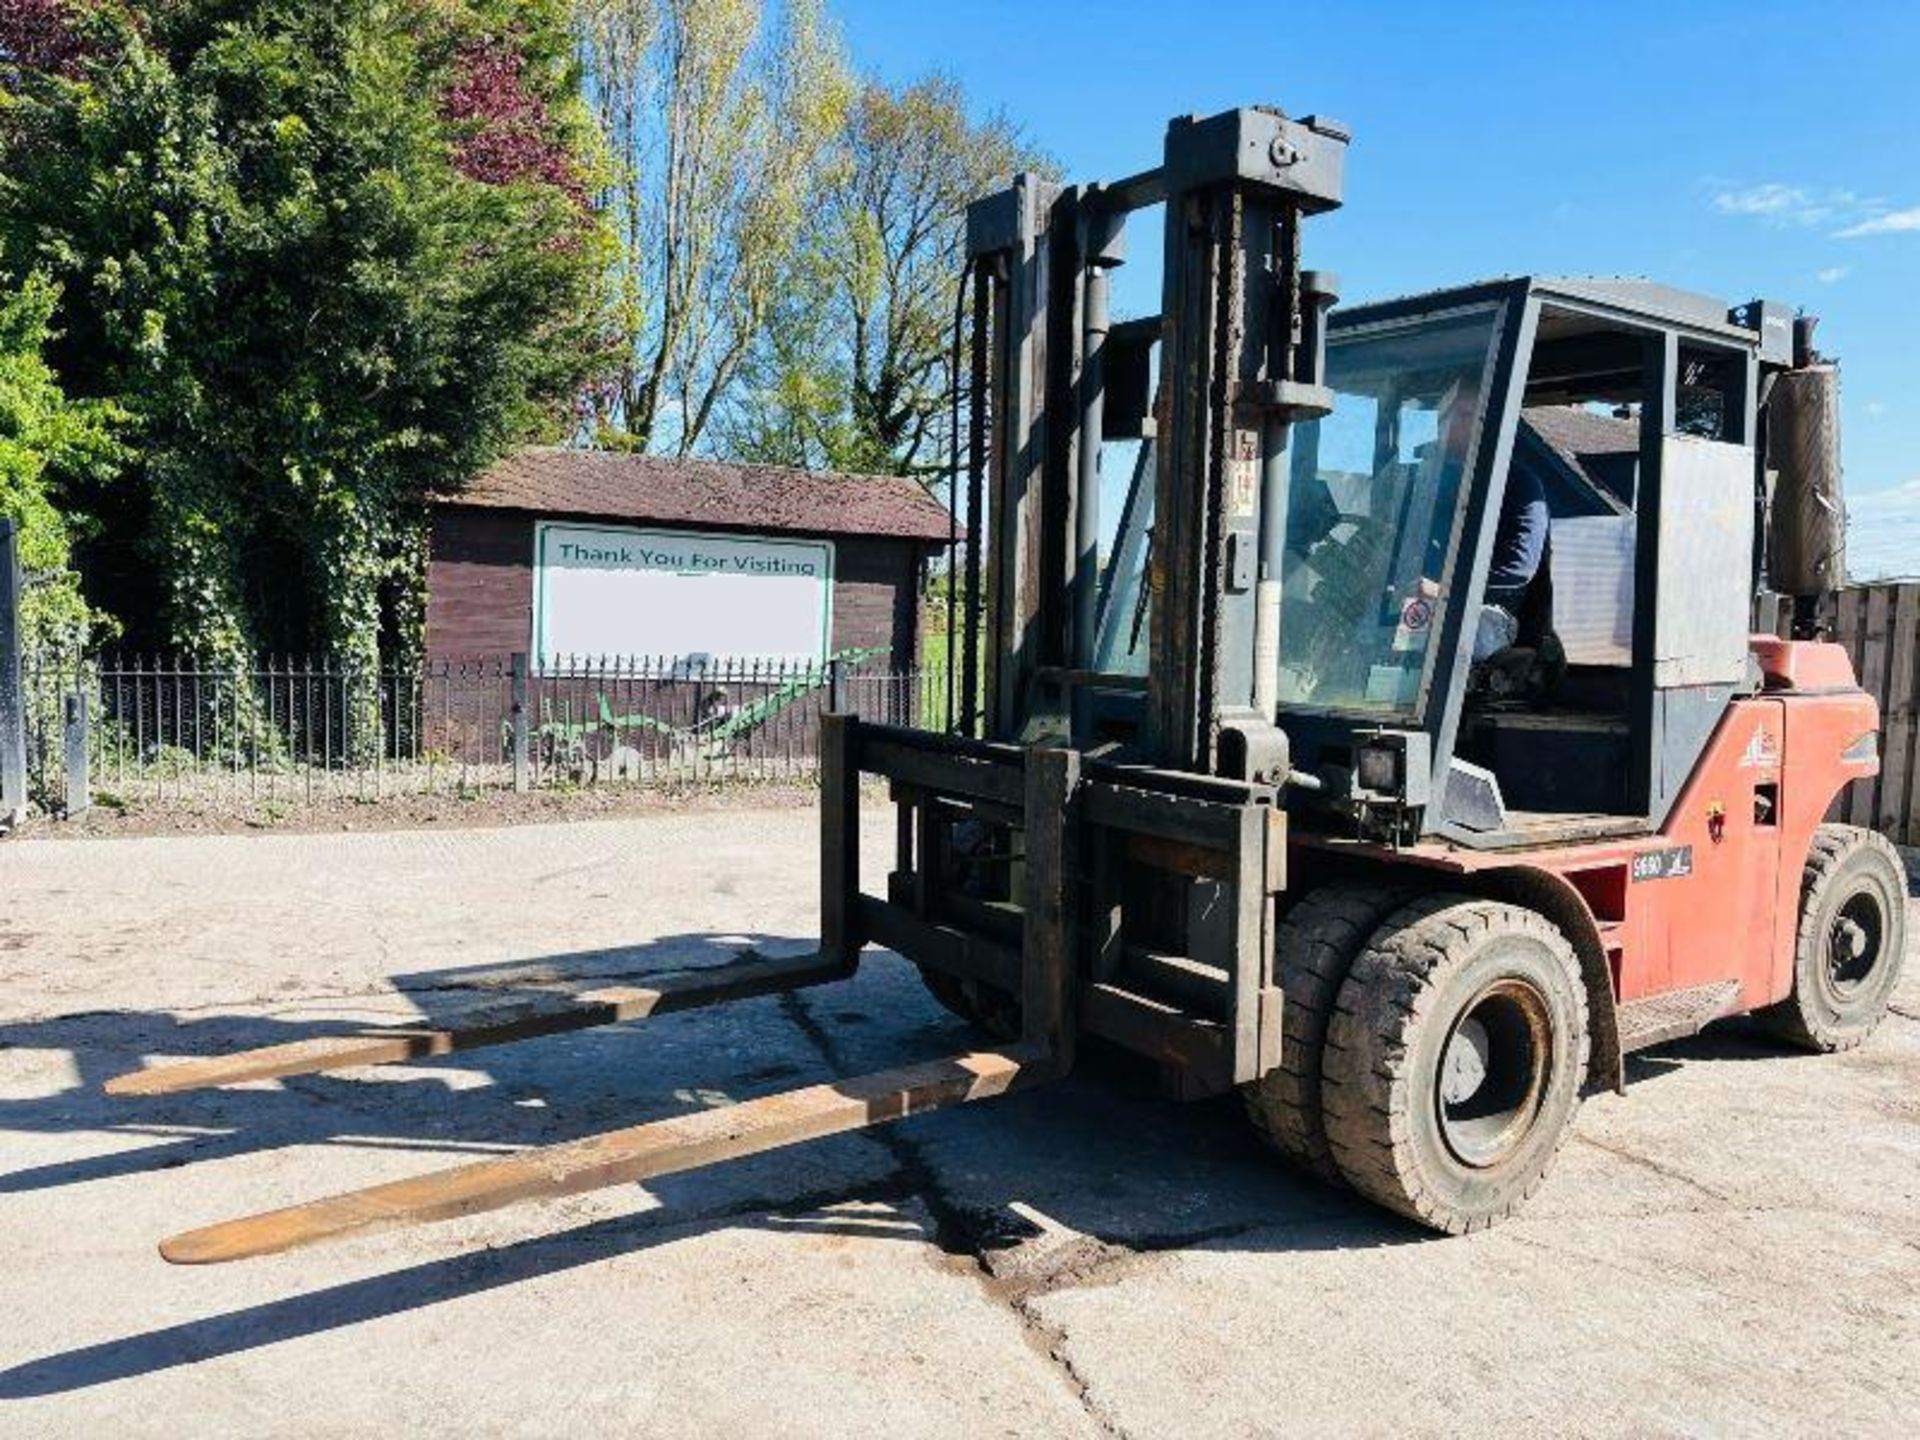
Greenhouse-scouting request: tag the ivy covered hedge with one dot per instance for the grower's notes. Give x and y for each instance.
(322, 260)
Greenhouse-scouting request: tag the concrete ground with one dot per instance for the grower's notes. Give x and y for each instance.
(1731, 1248)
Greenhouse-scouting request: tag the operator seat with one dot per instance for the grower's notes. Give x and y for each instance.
(1555, 734)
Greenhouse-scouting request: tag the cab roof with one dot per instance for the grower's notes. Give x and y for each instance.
(1621, 297)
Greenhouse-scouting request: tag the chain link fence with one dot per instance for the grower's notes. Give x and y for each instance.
(145, 729)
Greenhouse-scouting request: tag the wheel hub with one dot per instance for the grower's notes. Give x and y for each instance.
(1854, 942)
(1493, 1072)
(1464, 1069)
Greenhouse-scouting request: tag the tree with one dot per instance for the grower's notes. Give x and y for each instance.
(332, 259)
(45, 438)
(854, 371)
(722, 127)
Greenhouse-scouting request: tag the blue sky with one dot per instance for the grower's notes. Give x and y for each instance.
(1741, 149)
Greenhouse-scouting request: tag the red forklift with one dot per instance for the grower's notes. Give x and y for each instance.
(1294, 787)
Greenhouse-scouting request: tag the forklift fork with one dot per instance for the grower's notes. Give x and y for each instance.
(709, 1137)
(557, 1008)
(618, 1157)
(1054, 945)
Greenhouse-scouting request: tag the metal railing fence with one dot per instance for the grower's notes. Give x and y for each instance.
(299, 729)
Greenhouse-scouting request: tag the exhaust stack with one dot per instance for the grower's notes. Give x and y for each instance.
(1807, 556)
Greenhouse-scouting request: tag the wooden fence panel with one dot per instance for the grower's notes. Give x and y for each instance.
(1898, 740)
(1880, 627)
(1872, 668)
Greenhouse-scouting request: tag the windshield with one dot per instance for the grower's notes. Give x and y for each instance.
(1120, 638)
(1372, 498)
(1371, 504)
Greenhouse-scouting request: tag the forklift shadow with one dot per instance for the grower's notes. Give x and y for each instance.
(1738, 1038)
(1098, 1155)
(439, 1281)
(335, 1308)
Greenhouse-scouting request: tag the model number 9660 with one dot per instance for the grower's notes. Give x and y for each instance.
(1663, 864)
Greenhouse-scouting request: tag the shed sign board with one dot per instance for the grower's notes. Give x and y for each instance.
(608, 590)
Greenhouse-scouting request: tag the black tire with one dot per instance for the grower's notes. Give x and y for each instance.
(987, 1009)
(1314, 948)
(1851, 944)
(1446, 986)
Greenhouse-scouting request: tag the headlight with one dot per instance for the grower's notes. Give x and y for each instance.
(1378, 769)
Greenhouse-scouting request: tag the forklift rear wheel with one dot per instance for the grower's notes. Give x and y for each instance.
(1852, 941)
(992, 1011)
(1455, 1061)
(1313, 951)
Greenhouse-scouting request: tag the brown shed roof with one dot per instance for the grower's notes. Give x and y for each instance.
(614, 486)
(1602, 452)
(1575, 432)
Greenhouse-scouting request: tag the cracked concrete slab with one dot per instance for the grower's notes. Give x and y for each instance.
(1738, 1323)
(1732, 1247)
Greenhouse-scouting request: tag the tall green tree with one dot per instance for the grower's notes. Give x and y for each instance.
(722, 118)
(853, 371)
(331, 259)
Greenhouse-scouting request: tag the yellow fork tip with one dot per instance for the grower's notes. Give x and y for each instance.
(197, 1247)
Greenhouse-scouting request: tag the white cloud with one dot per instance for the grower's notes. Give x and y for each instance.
(1832, 275)
(1883, 533)
(1776, 202)
(1875, 409)
(1781, 204)
(1895, 497)
(1888, 223)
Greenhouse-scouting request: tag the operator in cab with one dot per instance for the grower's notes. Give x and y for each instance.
(1519, 547)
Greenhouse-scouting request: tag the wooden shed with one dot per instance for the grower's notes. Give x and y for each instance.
(559, 551)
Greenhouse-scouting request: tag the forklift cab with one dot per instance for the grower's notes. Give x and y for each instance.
(1411, 707)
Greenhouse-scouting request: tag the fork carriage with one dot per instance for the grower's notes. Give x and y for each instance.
(1045, 889)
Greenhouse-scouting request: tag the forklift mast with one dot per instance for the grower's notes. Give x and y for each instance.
(1241, 343)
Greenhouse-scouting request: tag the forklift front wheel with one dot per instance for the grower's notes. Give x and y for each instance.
(1851, 943)
(991, 1011)
(1313, 953)
(1455, 1060)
